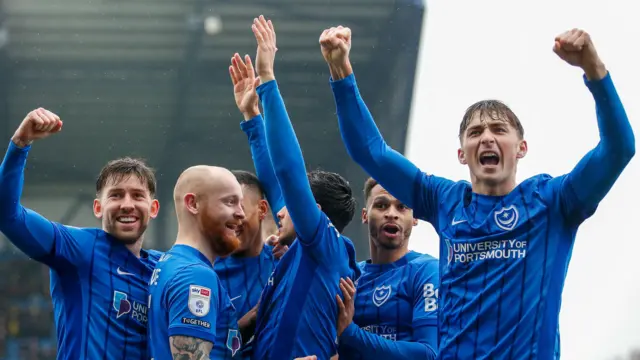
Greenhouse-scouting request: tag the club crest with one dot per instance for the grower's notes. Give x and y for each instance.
(507, 218)
(381, 294)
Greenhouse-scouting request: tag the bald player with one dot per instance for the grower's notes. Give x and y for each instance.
(190, 313)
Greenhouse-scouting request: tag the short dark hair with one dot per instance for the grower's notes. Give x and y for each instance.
(117, 170)
(369, 184)
(333, 193)
(249, 179)
(496, 110)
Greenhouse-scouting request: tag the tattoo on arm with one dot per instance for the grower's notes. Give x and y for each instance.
(189, 348)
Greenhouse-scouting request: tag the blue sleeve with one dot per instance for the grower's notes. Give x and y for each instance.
(192, 303)
(29, 231)
(288, 164)
(254, 129)
(586, 185)
(425, 310)
(372, 346)
(366, 146)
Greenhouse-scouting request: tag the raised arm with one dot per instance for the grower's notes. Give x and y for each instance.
(28, 230)
(587, 184)
(244, 90)
(360, 135)
(284, 149)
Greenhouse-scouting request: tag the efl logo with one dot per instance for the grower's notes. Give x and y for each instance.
(199, 300)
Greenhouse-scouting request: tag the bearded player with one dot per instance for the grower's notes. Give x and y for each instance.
(190, 313)
(505, 247)
(99, 277)
(394, 314)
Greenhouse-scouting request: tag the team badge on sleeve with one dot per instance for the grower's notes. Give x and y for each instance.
(199, 300)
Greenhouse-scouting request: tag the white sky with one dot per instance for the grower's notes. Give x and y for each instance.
(501, 49)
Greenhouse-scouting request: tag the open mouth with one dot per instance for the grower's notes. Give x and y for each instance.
(235, 228)
(490, 158)
(391, 230)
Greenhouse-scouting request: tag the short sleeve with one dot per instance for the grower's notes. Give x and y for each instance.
(192, 303)
(426, 284)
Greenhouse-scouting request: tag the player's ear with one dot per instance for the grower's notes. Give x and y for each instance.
(155, 208)
(319, 207)
(365, 218)
(97, 208)
(461, 157)
(190, 203)
(262, 209)
(522, 149)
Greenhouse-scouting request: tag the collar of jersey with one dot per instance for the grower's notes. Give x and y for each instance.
(191, 253)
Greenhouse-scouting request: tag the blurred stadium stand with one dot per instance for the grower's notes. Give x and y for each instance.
(149, 78)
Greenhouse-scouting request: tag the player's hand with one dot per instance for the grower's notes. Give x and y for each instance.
(244, 86)
(346, 308)
(38, 124)
(266, 54)
(312, 357)
(335, 44)
(576, 48)
(278, 249)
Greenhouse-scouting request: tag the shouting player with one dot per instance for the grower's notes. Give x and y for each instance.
(394, 314)
(297, 314)
(98, 277)
(504, 247)
(190, 313)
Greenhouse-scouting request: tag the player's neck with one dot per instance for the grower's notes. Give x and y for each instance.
(196, 241)
(136, 247)
(381, 256)
(253, 249)
(492, 189)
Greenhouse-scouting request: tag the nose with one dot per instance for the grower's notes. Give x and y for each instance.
(487, 138)
(280, 214)
(240, 213)
(391, 214)
(127, 204)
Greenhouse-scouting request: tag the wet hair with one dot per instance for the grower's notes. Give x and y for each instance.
(119, 169)
(333, 193)
(250, 180)
(494, 109)
(369, 184)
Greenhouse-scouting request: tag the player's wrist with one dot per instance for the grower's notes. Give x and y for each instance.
(266, 77)
(20, 142)
(250, 114)
(595, 71)
(340, 70)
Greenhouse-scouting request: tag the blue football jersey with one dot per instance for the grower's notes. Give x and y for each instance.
(186, 298)
(99, 295)
(503, 263)
(297, 315)
(397, 302)
(244, 278)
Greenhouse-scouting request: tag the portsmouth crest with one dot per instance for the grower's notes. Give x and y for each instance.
(199, 300)
(507, 218)
(234, 341)
(381, 294)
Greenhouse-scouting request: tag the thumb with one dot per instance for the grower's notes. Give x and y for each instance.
(58, 127)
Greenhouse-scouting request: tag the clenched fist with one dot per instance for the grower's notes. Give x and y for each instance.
(335, 44)
(576, 48)
(38, 124)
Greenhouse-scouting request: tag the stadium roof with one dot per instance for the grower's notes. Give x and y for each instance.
(149, 78)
